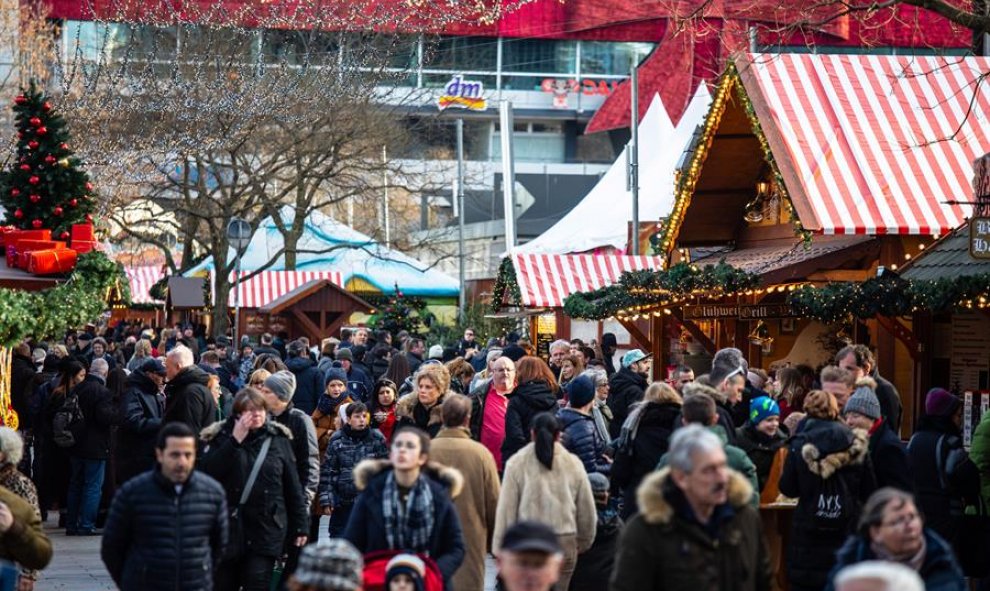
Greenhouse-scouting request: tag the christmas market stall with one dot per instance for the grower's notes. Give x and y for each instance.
(811, 178)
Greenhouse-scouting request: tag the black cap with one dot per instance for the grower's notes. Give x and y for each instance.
(531, 536)
(514, 352)
(153, 366)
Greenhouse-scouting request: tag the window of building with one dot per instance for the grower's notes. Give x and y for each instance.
(604, 58)
(461, 54)
(546, 56)
(297, 48)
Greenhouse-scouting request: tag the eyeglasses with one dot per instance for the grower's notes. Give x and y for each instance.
(903, 521)
(504, 370)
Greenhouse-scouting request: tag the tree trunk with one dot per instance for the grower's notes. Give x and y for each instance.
(291, 240)
(188, 232)
(221, 288)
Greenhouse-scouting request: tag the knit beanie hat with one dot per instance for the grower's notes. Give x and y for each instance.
(580, 391)
(282, 383)
(941, 403)
(333, 564)
(335, 373)
(406, 564)
(864, 400)
(761, 408)
(599, 487)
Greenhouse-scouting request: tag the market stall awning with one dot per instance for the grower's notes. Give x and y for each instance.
(290, 298)
(546, 279)
(871, 144)
(141, 279)
(267, 286)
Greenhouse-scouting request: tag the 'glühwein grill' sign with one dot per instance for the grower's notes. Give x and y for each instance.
(742, 311)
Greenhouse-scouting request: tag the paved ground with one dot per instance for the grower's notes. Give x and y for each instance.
(77, 566)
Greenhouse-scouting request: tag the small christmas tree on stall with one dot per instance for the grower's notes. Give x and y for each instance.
(400, 312)
(44, 187)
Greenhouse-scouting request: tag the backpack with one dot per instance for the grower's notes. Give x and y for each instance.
(67, 423)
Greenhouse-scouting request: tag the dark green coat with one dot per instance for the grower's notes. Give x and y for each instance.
(661, 551)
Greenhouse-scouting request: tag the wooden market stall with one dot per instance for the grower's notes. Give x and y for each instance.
(315, 309)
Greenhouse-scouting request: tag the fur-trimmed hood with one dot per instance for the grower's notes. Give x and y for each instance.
(406, 405)
(210, 432)
(657, 510)
(450, 478)
(821, 451)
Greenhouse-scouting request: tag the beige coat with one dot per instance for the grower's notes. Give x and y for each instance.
(477, 503)
(561, 497)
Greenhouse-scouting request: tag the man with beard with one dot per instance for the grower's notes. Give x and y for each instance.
(627, 386)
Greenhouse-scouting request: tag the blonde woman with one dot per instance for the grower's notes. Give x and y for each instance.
(142, 353)
(422, 407)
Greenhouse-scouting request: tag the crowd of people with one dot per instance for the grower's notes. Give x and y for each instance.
(205, 465)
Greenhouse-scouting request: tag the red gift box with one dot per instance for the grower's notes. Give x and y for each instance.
(4, 230)
(48, 262)
(82, 233)
(82, 247)
(14, 235)
(25, 247)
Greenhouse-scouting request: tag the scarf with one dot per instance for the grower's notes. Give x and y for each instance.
(599, 411)
(328, 406)
(630, 427)
(408, 526)
(912, 561)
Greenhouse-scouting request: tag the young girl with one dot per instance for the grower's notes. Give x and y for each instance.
(383, 418)
(405, 572)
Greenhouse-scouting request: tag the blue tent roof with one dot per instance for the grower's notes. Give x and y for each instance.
(328, 245)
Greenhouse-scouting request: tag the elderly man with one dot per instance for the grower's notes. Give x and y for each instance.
(187, 395)
(478, 500)
(859, 360)
(488, 404)
(696, 528)
(559, 349)
(88, 457)
(530, 557)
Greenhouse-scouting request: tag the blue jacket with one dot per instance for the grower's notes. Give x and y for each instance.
(156, 538)
(366, 527)
(581, 438)
(940, 571)
(309, 383)
(346, 449)
(359, 384)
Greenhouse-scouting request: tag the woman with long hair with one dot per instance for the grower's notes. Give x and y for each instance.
(142, 352)
(55, 463)
(536, 392)
(399, 371)
(790, 391)
(571, 367)
(544, 482)
(383, 407)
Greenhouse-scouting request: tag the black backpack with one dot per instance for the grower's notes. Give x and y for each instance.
(68, 424)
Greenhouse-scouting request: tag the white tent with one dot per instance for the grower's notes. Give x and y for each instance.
(602, 218)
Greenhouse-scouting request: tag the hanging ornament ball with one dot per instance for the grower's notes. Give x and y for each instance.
(18, 214)
(89, 186)
(25, 167)
(20, 99)
(49, 159)
(35, 121)
(73, 202)
(35, 198)
(47, 106)
(15, 192)
(33, 144)
(42, 130)
(36, 223)
(64, 235)
(57, 211)
(34, 180)
(63, 146)
(64, 163)
(89, 218)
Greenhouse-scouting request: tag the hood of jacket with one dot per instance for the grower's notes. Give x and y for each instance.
(189, 375)
(142, 382)
(537, 395)
(272, 427)
(657, 510)
(449, 478)
(828, 446)
(407, 404)
(299, 364)
(660, 414)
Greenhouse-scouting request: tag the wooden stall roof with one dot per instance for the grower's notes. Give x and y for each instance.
(949, 257)
(291, 298)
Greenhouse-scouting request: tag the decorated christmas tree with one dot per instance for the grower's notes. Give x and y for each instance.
(45, 186)
(400, 312)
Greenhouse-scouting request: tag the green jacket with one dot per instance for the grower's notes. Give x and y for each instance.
(24, 542)
(738, 461)
(979, 452)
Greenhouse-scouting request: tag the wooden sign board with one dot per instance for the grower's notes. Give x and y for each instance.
(741, 311)
(979, 238)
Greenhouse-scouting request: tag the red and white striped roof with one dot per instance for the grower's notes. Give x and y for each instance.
(546, 279)
(871, 144)
(141, 279)
(267, 286)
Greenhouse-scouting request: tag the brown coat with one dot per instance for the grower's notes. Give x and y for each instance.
(25, 542)
(477, 503)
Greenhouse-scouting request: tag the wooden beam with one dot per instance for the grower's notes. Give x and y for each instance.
(637, 334)
(305, 321)
(693, 329)
(852, 275)
(900, 332)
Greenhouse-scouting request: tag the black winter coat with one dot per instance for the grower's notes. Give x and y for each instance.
(22, 382)
(99, 415)
(157, 539)
(652, 440)
(829, 472)
(309, 383)
(366, 527)
(760, 449)
(581, 438)
(625, 388)
(276, 509)
(141, 410)
(305, 448)
(890, 403)
(346, 450)
(890, 460)
(527, 401)
(938, 497)
(188, 400)
(594, 566)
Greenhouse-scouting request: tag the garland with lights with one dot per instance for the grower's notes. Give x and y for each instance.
(51, 312)
(688, 176)
(642, 290)
(506, 283)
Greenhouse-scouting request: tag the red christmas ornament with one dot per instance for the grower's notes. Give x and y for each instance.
(15, 192)
(20, 135)
(47, 106)
(89, 186)
(64, 235)
(51, 159)
(18, 214)
(20, 99)
(73, 202)
(42, 130)
(36, 224)
(35, 198)
(63, 146)
(26, 167)
(34, 121)
(57, 211)
(34, 180)
(33, 144)
(89, 218)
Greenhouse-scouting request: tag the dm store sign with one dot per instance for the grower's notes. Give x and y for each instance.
(463, 94)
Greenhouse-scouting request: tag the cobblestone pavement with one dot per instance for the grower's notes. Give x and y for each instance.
(76, 564)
